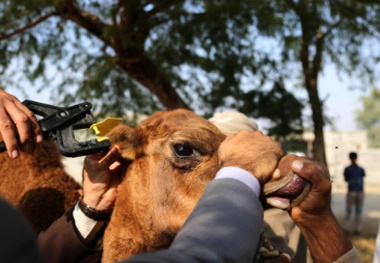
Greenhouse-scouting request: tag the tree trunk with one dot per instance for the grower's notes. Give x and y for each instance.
(317, 115)
(311, 82)
(148, 75)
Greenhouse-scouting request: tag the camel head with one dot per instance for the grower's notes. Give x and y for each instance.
(167, 162)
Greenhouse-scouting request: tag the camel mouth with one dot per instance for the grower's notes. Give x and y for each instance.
(288, 192)
(278, 202)
(292, 189)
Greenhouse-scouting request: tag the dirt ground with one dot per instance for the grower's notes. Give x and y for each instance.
(365, 243)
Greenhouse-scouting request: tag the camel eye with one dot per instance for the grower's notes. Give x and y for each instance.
(182, 150)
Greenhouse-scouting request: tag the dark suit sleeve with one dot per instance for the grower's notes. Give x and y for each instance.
(225, 226)
(18, 241)
(61, 243)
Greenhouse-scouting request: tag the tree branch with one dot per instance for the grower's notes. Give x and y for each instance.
(86, 20)
(31, 25)
(147, 73)
(330, 29)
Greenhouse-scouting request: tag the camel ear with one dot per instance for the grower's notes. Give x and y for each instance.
(126, 137)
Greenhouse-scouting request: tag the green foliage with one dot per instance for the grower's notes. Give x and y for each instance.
(278, 105)
(214, 53)
(368, 116)
(343, 26)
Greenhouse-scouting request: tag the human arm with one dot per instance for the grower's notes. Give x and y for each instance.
(18, 125)
(327, 241)
(61, 242)
(100, 179)
(75, 236)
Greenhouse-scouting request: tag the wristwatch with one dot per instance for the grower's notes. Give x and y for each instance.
(98, 215)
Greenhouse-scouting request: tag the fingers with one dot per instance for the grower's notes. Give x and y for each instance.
(318, 199)
(310, 170)
(283, 167)
(251, 151)
(100, 179)
(7, 131)
(18, 125)
(111, 158)
(32, 127)
(314, 172)
(95, 165)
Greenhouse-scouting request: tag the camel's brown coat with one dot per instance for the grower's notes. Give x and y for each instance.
(37, 184)
(167, 162)
(169, 159)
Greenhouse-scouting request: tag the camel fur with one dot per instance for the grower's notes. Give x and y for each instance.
(168, 161)
(37, 184)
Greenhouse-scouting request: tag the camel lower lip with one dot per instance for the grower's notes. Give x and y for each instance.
(279, 202)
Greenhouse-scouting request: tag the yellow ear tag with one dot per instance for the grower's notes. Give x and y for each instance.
(104, 127)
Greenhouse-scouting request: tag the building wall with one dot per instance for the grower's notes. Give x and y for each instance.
(339, 144)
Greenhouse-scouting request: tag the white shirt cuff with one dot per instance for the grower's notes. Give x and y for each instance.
(242, 175)
(83, 223)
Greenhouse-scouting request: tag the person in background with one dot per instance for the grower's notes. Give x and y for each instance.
(354, 176)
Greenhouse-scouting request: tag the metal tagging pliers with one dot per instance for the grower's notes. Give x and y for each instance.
(59, 123)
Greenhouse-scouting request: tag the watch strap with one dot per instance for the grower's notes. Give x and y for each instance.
(98, 215)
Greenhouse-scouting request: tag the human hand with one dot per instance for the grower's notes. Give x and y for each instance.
(18, 125)
(316, 203)
(251, 151)
(314, 214)
(101, 178)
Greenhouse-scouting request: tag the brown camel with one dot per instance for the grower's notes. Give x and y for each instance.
(167, 162)
(37, 184)
(169, 159)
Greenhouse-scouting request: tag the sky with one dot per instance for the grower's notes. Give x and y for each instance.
(340, 104)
